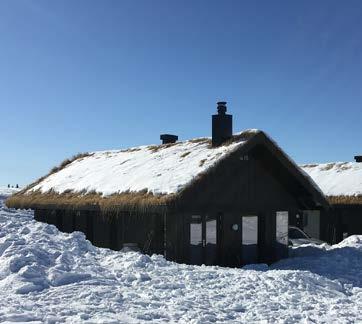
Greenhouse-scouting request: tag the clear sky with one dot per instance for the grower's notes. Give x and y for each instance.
(79, 76)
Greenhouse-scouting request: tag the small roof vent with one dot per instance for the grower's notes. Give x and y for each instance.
(358, 158)
(168, 138)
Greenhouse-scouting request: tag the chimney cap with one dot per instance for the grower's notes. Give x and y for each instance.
(221, 107)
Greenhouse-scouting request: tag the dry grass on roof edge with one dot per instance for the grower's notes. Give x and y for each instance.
(130, 201)
(345, 200)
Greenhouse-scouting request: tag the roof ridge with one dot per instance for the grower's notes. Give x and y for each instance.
(247, 133)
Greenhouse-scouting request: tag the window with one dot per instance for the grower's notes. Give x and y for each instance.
(250, 239)
(210, 239)
(196, 230)
(282, 227)
(196, 243)
(311, 223)
(282, 222)
(250, 230)
(210, 230)
(203, 239)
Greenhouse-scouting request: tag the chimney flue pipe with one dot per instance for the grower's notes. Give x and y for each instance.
(222, 125)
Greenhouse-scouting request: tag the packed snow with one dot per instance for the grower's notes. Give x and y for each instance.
(5, 191)
(161, 169)
(337, 179)
(49, 276)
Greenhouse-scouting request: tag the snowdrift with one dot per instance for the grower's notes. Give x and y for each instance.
(5, 192)
(48, 276)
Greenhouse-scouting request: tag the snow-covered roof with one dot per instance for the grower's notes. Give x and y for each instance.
(157, 169)
(143, 178)
(337, 179)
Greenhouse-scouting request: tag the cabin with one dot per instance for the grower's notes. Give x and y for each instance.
(224, 200)
(341, 183)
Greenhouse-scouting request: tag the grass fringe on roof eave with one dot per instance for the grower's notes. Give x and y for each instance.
(345, 200)
(129, 201)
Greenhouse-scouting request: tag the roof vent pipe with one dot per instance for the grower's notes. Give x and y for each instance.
(222, 125)
(358, 158)
(168, 138)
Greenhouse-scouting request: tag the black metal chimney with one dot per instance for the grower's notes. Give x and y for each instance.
(222, 125)
(358, 158)
(168, 138)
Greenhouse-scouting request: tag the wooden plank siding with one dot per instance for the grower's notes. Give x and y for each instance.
(242, 185)
(68, 220)
(110, 230)
(347, 219)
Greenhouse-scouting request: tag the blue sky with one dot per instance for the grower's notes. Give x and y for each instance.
(78, 76)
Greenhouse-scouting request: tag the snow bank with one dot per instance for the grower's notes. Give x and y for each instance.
(354, 241)
(5, 191)
(162, 169)
(341, 262)
(337, 179)
(48, 276)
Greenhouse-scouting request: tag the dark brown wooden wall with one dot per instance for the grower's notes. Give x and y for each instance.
(242, 185)
(348, 219)
(110, 230)
(177, 237)
(246, 183)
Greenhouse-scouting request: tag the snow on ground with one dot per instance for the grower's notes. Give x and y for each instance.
(48, 276)
(337, 179)
(169, 168)
(5, 191)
